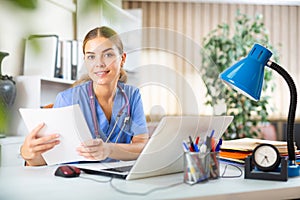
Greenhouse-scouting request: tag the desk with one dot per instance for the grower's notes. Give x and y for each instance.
(31, 183)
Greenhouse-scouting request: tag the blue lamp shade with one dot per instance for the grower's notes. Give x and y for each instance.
(247, 75)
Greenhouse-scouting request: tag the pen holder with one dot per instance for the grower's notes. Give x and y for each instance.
(214, 165)
(196, 167)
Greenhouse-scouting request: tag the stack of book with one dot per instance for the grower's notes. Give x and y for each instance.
(237, 150)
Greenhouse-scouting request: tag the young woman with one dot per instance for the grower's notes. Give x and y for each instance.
(112, 109)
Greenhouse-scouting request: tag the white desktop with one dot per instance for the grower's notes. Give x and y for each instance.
(31, 183)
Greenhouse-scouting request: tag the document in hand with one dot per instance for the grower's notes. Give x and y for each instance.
(68, 122)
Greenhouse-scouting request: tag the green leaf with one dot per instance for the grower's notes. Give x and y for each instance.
(25, 4)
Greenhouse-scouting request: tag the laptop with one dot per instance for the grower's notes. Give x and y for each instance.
(163, 154)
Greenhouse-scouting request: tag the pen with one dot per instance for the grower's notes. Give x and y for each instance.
(213, 144)
(191, 172)
(197, 140)
(196, 148)
(218, 147)
(191, 168)
(185, 147)
(203, 148)
(192, 146)
(212, 133)
(208, 143)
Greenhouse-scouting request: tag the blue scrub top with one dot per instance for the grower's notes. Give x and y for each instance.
(137, 123)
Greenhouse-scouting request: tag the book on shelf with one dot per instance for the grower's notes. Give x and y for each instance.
(237, 150)
(68, 60)
(74, 59)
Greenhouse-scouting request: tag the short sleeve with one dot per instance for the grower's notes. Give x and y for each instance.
(62, 100)
(138, 123)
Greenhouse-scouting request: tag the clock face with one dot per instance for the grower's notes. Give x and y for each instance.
(266, 157)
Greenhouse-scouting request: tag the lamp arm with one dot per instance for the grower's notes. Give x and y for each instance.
(292, 108)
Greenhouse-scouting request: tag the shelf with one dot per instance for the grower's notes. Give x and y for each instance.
(58, 80)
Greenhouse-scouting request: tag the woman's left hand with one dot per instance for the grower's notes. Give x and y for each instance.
(95, 149)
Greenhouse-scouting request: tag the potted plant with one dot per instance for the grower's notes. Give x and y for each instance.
(222, 48)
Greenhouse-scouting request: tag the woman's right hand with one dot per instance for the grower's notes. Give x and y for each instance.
(34, 146)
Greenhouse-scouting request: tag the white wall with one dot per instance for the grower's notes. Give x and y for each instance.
(195, 19)
(50, 17)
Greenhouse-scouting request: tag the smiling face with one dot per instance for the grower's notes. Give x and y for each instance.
(103, 60)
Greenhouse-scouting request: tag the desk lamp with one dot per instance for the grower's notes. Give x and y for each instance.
(246, 76)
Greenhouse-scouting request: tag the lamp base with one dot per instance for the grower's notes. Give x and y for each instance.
(293, 170)
(280, 175)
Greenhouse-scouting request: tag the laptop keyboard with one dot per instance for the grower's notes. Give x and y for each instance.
(120, 169)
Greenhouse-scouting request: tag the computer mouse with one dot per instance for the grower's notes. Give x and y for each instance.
(67, 171)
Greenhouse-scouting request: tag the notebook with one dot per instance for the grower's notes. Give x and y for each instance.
(163, 154)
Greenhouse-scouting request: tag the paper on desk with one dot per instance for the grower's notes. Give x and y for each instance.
(68, 122)
(248, 144)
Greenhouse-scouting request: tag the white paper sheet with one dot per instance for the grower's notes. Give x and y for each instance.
(69, 122)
